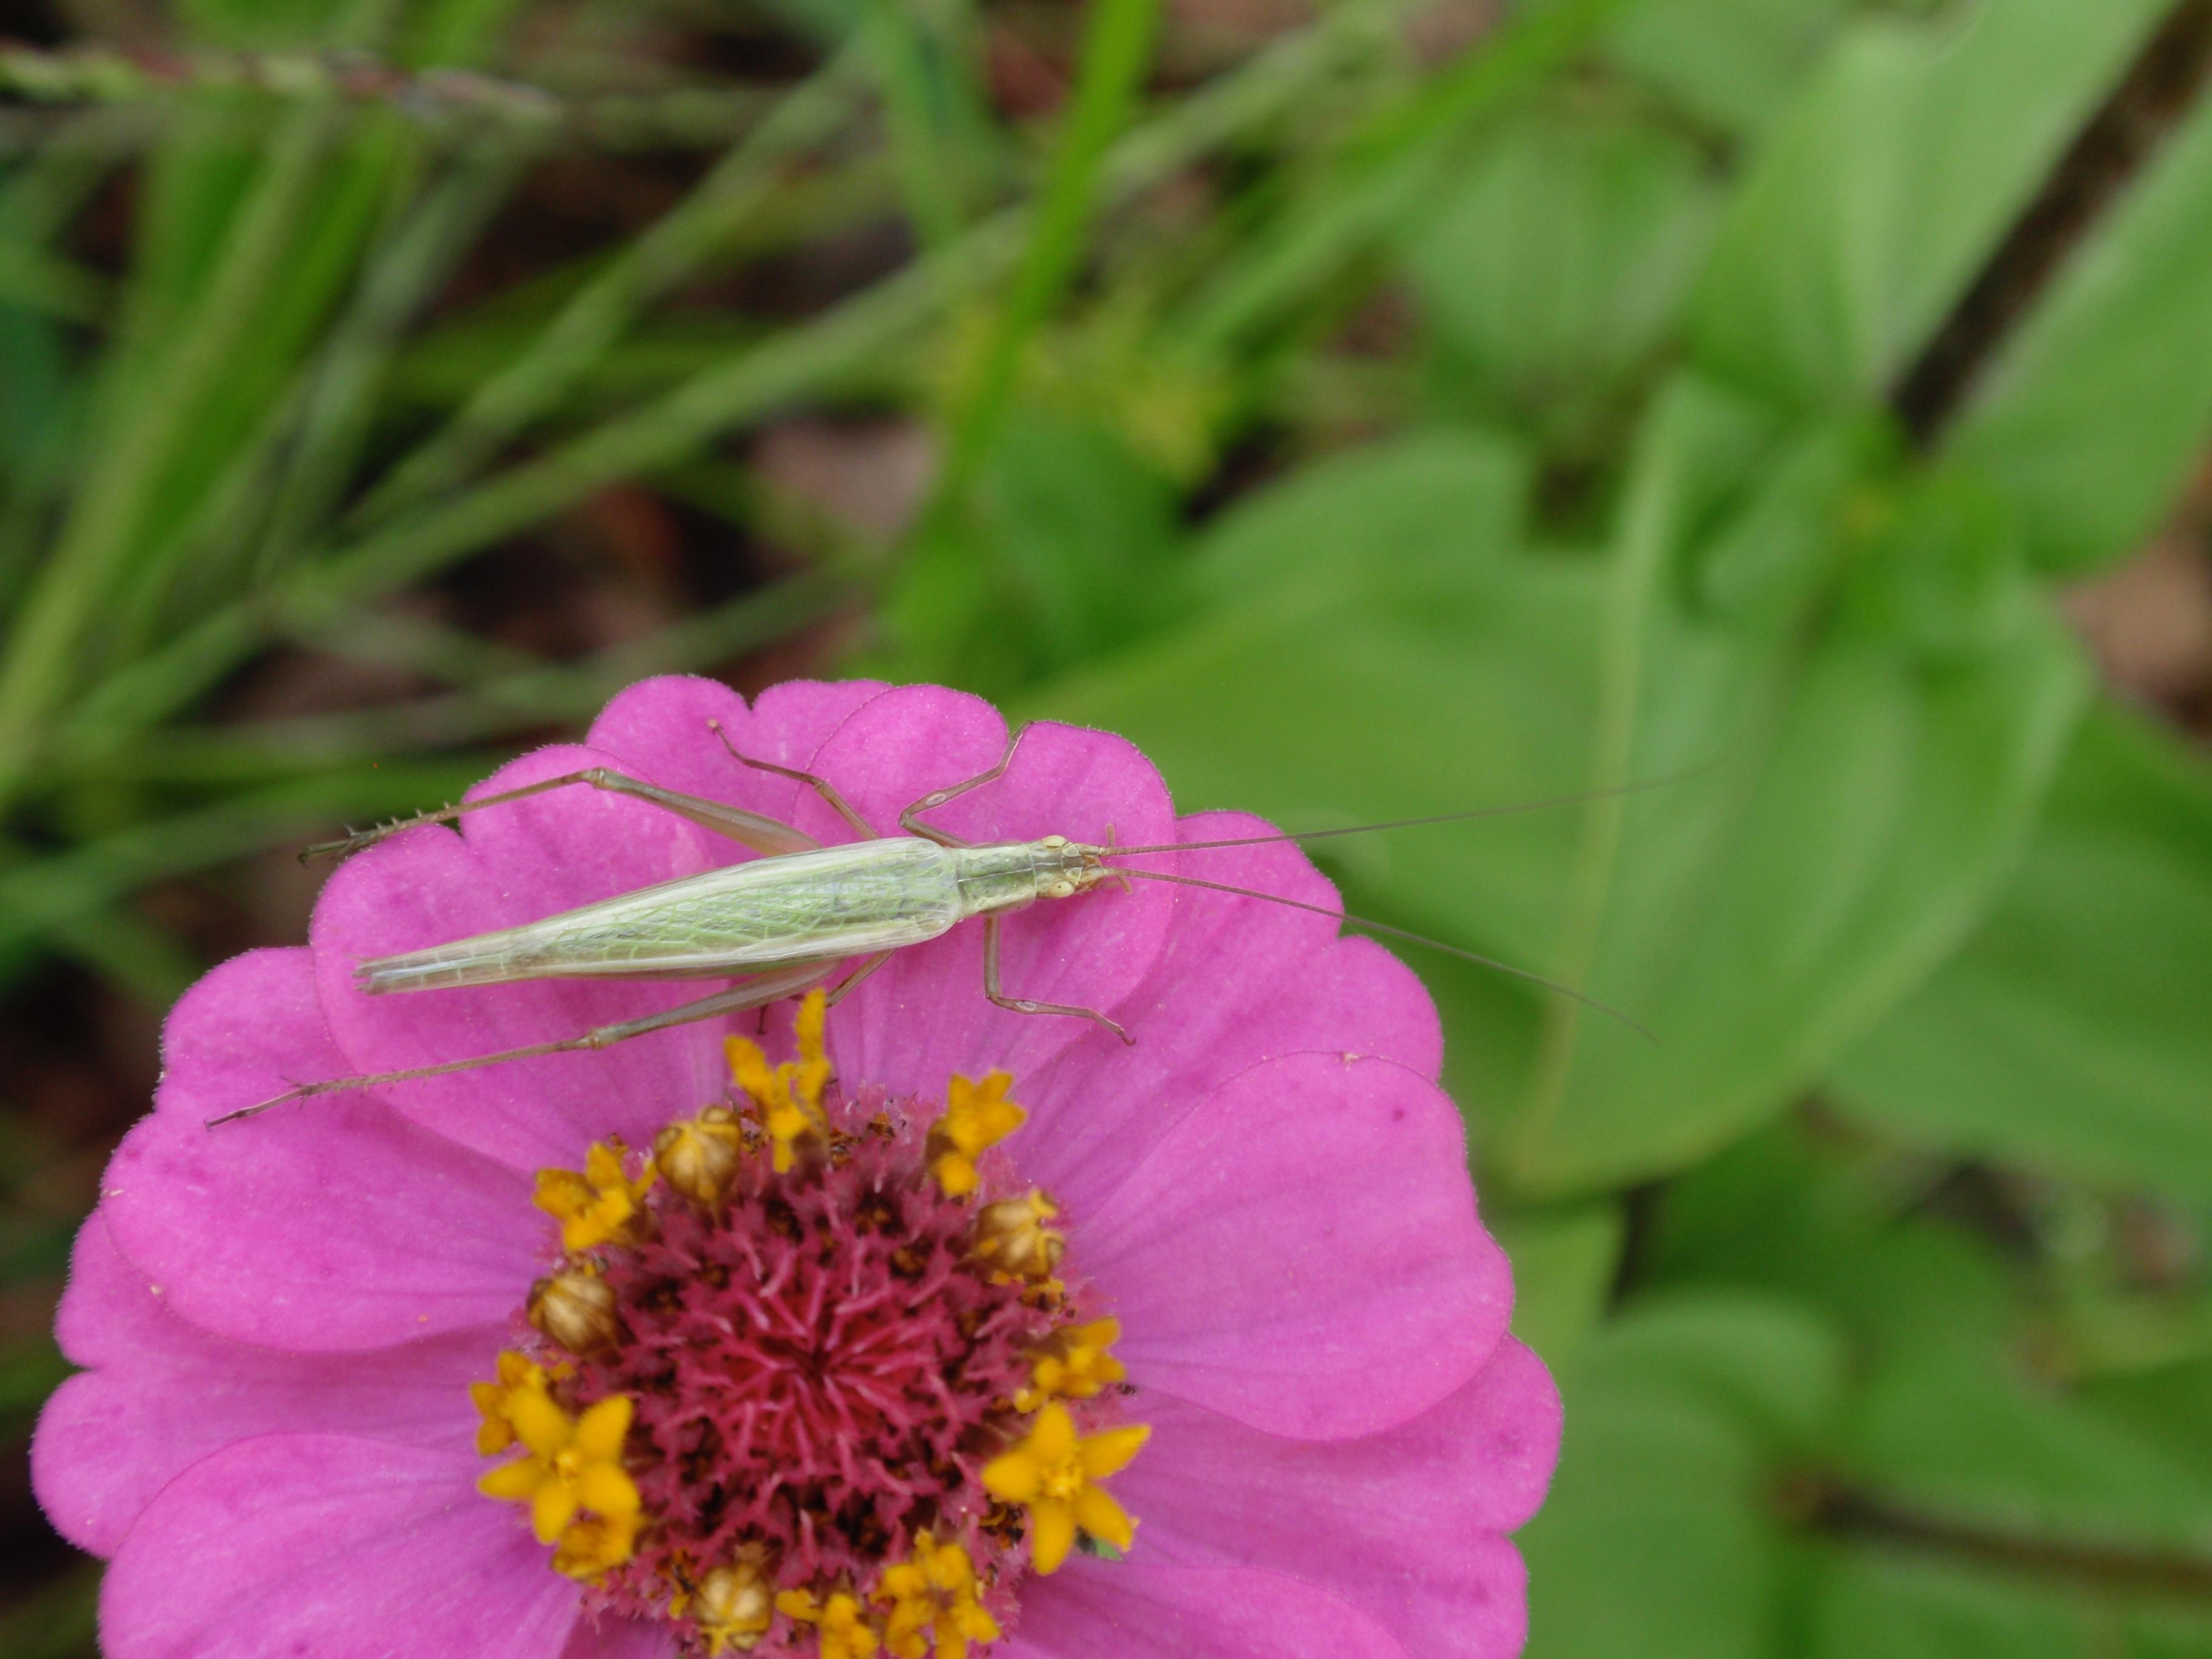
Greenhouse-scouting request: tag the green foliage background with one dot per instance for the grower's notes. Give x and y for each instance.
(1368, 428)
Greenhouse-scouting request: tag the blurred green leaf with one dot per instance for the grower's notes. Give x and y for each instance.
(1979, 1449)
(1799, 1212)
(1890, 181)
(1561, 264)
(1088, 532)
(2093, 417)
(1378, 647)
(1733, 63)
(1441, 499)
(1660, 1539)
(2164, 1406)
(2071, 1031)
(1810, 1434)
(1564, 1257)
(1869, 796)
(1902, 1606)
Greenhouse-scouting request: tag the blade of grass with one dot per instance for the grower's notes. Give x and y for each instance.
(46, 283)
(42, 892)
(1385, 171)
(801, 361)
(598, 315)
(127, 950)
(927, 101)
(38, 674)
(401, 280)
(423, 645)
(528, 699)
(942, 588)
(1117, 49)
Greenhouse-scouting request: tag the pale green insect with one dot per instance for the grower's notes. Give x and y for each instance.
(782, 924)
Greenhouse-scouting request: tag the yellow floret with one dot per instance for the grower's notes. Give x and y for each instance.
(1054, 1475)
(977, 1116)
(1076, 1364)
(932, 1596)
(573, 1464)
(847, 1630)
(596, 1207)
(787, 1097)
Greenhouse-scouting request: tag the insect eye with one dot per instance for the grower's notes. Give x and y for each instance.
(1062, 890)
(1053, 840)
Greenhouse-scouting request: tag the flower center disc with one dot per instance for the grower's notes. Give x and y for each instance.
(819, 1364)
(814, 1378)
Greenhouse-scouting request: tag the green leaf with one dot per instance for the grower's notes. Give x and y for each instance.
(1861, 794)
(1733, 63)
(1902, 1606)
(1086, 533)
(1885, 188)
(1981, 1450)
(1870, 794)
(1440, 497)
(1888, 1478)
(2071, 1031)
(1378, 647)
(1564, 1257)
(1997, 1519)
(2093, 417)
(1561, 265)
(1660, 1537)
(1063, 545)
(1799, 1212)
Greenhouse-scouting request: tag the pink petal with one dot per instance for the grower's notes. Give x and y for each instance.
(621, 1638)
(1404, 1523)
(330, 1224)
(1302, 1252)
(1239, 981)
(511, 865)
(1132, 1611)
(923, 1016)
(163, 1394)
(656, 729)
(297, 1545)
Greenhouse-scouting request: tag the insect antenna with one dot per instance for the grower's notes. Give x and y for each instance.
(1575, 799)
(1407, 933)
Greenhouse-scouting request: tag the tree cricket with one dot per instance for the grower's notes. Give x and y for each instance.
(783, 923)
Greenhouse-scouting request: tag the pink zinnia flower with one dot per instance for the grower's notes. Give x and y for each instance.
(968, 1332)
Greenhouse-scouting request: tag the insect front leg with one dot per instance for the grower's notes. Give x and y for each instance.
(1025, 1004)
(754, 992)
(761, 833)
(936, 798)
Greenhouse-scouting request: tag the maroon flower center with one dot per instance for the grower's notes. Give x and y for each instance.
(815, 1378)
(819, 1365)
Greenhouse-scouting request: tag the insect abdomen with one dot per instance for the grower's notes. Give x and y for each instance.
(839, 902)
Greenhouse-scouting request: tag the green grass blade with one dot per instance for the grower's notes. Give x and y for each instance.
(804, 360)
(599, 315)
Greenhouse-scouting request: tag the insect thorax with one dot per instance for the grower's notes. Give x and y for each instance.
(1007, 875)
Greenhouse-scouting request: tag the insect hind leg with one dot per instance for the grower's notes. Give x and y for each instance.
(763, 835)
(1027, 1005)
(756, 991)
